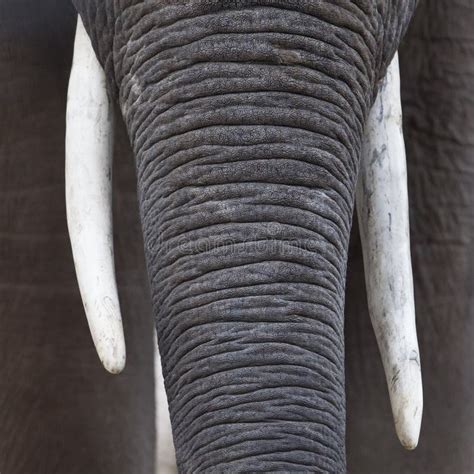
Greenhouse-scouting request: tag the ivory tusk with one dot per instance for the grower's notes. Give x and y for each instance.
(89, 146)
(382, 205)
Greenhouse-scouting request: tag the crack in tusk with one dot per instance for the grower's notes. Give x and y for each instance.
(382, 207)
(89, 148)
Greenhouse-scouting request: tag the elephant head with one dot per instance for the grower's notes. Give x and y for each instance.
(248, 121)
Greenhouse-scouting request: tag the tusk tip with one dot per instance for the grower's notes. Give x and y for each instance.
(406, 397)
(113, 361)
(408, 429)
(112, 352)
(105, 324)
(115, 368)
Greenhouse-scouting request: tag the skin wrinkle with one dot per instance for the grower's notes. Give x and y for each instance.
(332, 117)
(321, 86)
(244, 17)
(240, 407)
(301, 258)
(235, 338)
(297, 317)
(325, 157)
(224, 149)
(199, 233)
(331, 218)
(228, 155)
(263, 218)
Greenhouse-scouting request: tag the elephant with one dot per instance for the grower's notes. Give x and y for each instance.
(247, 122)
(110, 449)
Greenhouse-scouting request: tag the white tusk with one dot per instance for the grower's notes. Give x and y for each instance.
(382, 206)
(89, 146)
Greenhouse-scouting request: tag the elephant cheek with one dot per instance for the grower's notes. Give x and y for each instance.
(246, 150)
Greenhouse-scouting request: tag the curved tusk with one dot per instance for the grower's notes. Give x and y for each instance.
(89, 144)
(382, 205)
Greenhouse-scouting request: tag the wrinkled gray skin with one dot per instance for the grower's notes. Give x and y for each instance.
(60, 412)
(245, 119)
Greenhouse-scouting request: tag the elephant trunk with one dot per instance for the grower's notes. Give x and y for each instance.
(245, 231)
(246, 143)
